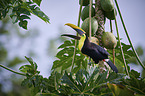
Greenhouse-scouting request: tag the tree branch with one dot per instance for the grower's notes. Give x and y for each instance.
(11, 70)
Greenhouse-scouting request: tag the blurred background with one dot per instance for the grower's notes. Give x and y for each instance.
(41, 40)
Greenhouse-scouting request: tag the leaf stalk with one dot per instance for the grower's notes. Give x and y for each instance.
(121, 47)
(90, 7)
(11, 70)
(113, 50)
(77, 35)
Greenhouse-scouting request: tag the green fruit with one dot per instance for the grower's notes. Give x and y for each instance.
(111, 14)
(107, 5)
(85, 13)
(94, 26)
(85, 2)
(94, 40)
(109, 40)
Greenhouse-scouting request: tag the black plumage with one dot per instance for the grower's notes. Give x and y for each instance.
(94, 51)
(97, 53)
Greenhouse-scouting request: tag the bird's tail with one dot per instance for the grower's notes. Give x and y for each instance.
(113, 67)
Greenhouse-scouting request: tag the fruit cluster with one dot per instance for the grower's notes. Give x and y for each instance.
(108, 39)
(108, 8)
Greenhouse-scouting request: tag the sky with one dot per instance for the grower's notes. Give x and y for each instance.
(66, 11)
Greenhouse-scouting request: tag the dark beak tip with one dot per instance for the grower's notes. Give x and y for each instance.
(71, 36)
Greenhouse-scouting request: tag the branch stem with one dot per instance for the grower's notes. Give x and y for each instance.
(111, 29)
(90, 7)
(121, 47)
(113, 50)
(77, 35)
(11, 70)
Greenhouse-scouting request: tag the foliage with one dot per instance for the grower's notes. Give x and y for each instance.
(89, 83)
(130, 86)
(135, 83)
(83, 82)
(33, 79)
(65, 57)
(73, 74)
(21, 10)
(119, 90)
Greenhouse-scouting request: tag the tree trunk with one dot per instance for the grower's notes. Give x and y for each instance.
(100, 18)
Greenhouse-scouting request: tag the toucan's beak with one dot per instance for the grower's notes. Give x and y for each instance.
(72, 36)
(76, 28)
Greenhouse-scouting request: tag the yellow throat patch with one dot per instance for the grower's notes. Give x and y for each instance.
(81, 41)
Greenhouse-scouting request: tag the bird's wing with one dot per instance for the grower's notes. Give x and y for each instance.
(100, 49)
(94, 54)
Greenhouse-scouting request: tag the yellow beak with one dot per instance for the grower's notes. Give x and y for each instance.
(76, 28)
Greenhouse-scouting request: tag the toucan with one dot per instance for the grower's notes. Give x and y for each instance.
(94, 51)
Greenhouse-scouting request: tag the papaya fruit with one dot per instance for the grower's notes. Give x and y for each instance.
(111, 14)
(85, 12)
(94, 26)
(108, 40)
(85, 2)
(94, 40)
(107, 5)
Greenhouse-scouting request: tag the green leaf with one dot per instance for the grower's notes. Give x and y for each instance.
(30, 69)
(38, 2)
(101, 78)
(25, 82)
(23, 24)
(0, 16)
(135, 82)
(65, 57)
(46, 94)
(65, 44)
(40, 14)
(115, 78)
(119, 90)
(135, 74)
(22, 17)
(4, 12)
(30, 60)
(52, 84)
(21, 10)
(32, 7)
(87, 82)
(24, 11)
(93, 76)
(25, 68)
(67, 79)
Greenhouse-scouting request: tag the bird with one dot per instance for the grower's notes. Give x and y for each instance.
(94, 51)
